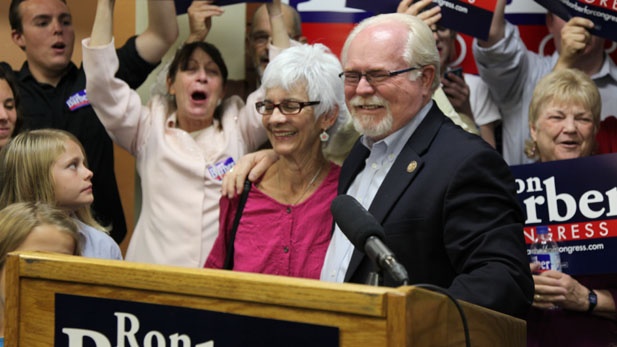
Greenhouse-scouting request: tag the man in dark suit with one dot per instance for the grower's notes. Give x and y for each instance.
(445, 198)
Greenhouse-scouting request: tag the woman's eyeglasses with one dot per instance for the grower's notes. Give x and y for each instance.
(287, 107)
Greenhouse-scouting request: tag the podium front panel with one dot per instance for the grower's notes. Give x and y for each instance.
(137, 303)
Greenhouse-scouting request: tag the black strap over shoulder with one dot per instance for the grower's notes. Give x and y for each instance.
(229, 258)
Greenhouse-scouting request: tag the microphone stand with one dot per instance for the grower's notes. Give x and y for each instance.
(375, 278)
(396, 270)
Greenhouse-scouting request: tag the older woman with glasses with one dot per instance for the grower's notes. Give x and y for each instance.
(285, 225)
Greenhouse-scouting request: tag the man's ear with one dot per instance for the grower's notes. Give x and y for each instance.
(18, 39)
(427, 76)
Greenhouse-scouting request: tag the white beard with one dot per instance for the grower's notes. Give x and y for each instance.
(367, 128)
(365, 124)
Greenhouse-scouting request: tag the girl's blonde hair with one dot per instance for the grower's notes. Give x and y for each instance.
(25, 169)
(19, 219)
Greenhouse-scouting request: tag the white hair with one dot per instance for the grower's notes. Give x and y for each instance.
(317, 68)
(420, 49)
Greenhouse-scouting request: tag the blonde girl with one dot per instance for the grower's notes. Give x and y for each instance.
(33, 226)
(49, 165)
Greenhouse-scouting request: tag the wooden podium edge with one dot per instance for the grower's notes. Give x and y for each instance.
(308, 293)
(436, 319)
(12, 300)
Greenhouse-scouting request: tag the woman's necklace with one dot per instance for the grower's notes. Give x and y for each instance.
(307, 186)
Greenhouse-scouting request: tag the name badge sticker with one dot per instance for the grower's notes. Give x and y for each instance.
(78, 100)
(218, 170)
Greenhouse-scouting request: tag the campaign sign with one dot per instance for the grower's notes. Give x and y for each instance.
(82, 321)
(603, 13)
(577, 200)
(456, 14)
(183, 5)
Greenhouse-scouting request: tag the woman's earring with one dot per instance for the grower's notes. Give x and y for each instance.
(324, 137)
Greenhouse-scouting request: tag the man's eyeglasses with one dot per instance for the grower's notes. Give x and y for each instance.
(287, 107)
(376, 76)
(441, 31)
(260, 38)
(263, 38)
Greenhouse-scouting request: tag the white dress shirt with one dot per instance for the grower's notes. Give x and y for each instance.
(364, 188)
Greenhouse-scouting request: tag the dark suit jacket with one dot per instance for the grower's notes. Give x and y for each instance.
(454, 221)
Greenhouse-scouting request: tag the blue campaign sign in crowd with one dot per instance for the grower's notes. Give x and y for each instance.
(577, 199)
(601, 12)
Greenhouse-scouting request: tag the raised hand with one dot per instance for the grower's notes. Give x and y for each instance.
(280, 36)
(274, 7)
(430, 16)
(200, 19)
(102, 28)
(457, 91)
(575, 38)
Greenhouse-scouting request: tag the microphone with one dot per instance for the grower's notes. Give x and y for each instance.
(365, 233)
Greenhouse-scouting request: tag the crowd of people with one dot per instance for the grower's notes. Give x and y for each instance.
(389, 123)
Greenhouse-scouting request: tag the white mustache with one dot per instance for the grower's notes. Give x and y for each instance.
(372, 100)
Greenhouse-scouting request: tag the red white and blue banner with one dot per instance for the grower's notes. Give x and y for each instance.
(603, 13)
(577, 200)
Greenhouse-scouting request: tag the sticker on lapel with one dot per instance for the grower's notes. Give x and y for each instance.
(78, 100)
(412, 166)
(218, 170)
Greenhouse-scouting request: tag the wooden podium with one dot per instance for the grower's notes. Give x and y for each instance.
(360, 315)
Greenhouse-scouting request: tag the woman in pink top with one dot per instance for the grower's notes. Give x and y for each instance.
(286, 223)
